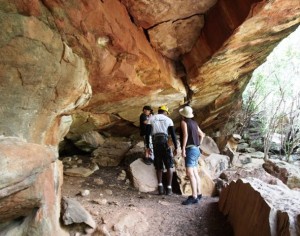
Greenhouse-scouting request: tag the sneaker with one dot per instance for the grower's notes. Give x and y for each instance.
(147, 161)
(169, 191)
(161, 190)
(190, 200)
(198, 197)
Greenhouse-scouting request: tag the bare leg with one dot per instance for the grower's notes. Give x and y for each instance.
(190, 174)
(169, 176)
(159, 176)
(198, 180)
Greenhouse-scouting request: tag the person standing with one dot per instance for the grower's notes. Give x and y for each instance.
(192, 137)
(147, 112)
(159, 127)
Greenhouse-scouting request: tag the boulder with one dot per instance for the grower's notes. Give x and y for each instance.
(74, 214)
(143, 176)
(207, 183)
(111, 152)
(287, 173)
(89, 141)
(209, 146)
(216, 163)
(254, 207)
(236, 173)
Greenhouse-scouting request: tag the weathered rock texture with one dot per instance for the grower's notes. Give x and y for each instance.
(222, 60)
(287, 173)
(256, 208)
(101, 61)
(30, 184)
(143, 176)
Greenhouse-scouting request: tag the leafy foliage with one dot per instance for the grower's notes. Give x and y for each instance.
(273, 92)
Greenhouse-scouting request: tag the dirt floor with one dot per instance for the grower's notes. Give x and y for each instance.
(119, 209)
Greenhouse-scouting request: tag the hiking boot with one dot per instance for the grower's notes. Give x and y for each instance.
(169, 191)
(161, 190)
(190, 200)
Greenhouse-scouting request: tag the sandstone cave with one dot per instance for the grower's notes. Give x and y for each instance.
(74, 78)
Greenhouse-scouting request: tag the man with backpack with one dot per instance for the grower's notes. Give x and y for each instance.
(159, 127)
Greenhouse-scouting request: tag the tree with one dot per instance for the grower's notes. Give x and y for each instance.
(273, 91)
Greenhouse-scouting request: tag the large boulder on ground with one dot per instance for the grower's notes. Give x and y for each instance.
(233, 142)
(241, 159)
(254, 207)
(207, 183)
(79, 166)
(236, 173)
(73, 214)
(287, 173)
(136, 152)
(89, 141)
(111, 152)
(216, 163)
(209, 146)
(143, 176)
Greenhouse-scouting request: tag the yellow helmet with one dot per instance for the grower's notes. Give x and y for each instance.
(164, 108)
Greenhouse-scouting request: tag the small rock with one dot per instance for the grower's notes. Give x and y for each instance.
(108, 191)
(164, 203)
(85, 192)
(98, 181)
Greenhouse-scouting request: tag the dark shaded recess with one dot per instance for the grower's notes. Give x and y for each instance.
(129, 158)
(147, 34)
(225, 229)
(67, 148)
(122, 128)
(181, 73)
(175, 184)
(223, 19)
(220, 22)
(25, 218)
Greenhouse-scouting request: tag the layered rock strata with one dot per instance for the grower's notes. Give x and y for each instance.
(62, 58)
(254, 207)
(30, 184)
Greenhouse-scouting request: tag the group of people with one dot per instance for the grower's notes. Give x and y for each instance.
(155, 129)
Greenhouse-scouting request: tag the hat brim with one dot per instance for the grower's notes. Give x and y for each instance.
(181, 112)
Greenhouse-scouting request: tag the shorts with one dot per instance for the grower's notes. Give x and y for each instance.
(192, 156)
(163, 157)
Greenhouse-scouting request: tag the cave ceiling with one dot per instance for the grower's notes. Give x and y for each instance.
(107, 59)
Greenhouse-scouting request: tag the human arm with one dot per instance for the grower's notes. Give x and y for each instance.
(183, 126)
(148, 133)
(171, 131)
(201, 134)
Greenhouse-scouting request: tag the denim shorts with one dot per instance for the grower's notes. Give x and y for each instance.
(192, 156)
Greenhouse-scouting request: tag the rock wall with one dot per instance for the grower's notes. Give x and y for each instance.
(232, 45)
(30, 185)
(105, 60)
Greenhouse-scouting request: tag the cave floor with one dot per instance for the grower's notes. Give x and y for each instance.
(120, 209)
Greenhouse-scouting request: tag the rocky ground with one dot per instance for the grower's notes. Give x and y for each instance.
(119, 209)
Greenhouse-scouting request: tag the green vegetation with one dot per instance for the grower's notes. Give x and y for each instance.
(274, 93)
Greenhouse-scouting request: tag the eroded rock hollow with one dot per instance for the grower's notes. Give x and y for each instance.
(98, 63)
